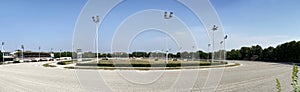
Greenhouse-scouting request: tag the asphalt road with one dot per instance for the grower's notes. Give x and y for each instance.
(249, 77)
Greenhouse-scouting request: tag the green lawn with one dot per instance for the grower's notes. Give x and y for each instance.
(148, 63)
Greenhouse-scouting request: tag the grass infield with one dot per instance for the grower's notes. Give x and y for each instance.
(149, 63)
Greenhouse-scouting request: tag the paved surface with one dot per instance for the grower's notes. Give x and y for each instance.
(249, 77)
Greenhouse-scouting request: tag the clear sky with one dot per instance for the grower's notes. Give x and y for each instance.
(50, 23)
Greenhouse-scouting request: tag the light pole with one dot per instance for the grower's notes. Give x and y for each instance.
(2, 52)
(215, 28)
(208, 51)
(162, 54)
(193, 53)
(221, 50)
(59, 54)
(96, 20)
(225, 47)
(22, 46)
(39, 53)
(167, 16)
(51, 53)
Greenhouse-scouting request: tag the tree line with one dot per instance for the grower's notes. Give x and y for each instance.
(286, 52)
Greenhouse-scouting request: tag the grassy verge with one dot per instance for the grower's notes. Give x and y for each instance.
(48, 65)
(64, 62)
(70, 67)
(147, 63)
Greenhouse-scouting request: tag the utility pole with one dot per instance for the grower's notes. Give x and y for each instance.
(167, 16)
(96, 20)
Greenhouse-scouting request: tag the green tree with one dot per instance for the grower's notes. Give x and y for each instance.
(202, 55)
(234, 55)
(245, 53)
(268, 54)
(256, 51)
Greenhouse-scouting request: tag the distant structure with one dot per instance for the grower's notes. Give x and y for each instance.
(79, 54)
(7, 56)
(32, 56)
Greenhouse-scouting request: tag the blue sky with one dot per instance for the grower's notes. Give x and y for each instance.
(50, 23)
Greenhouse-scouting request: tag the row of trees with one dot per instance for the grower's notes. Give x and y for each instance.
(62, 54)
(288, 52)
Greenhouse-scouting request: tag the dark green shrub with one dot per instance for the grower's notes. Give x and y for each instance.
(106, 65)
(16, 62)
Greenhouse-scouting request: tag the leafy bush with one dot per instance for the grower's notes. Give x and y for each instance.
(278, 86)
(294, 81)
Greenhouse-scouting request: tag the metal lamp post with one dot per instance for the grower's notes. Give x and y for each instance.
(193, 53)
(59, 54)
(39, 53)
(167, 16)
(96, 20)
(22, 46)
(208, 51)
(215, 28)
(225, 47)
(2, 52)
(221, 50)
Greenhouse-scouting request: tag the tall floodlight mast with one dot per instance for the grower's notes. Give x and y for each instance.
(225, 47)
(39, 53)
(96, 20)
(221, 50)
(2, 52)
(208, 49)
(22, 47)
(215, 28)
(59, 54)
(167, 16)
